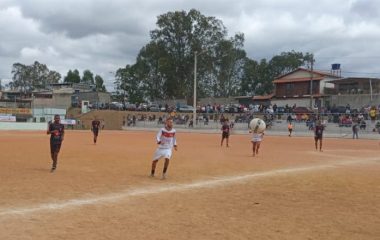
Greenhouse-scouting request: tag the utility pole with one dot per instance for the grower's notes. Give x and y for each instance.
(311, 81)
(195, 90)
(196, 54)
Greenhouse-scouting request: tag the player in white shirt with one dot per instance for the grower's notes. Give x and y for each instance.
(166, 140)
(256, 141)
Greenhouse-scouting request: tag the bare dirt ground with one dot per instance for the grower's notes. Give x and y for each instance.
(288, 191)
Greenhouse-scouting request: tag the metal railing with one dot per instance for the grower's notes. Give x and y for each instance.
(277, 127)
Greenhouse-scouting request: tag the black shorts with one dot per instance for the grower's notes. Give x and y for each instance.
(317, 137)
(225, 135)
(96, 132)
(55, 147)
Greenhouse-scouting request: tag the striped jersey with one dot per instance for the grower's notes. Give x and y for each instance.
(167, 138)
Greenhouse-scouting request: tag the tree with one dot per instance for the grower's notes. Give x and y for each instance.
(250, 81)
(287, 62)
(72, 77)
(228, 67)
(165, 66)
(180, 35)
(129, 85)
(88, 77)
(150, 68)
(99, 84)
(28, 78)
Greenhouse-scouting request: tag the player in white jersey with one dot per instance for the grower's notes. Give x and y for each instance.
(256, 141)
(166, 140)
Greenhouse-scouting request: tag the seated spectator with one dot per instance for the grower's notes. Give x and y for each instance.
(363, 125)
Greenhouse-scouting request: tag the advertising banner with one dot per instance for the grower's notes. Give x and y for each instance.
(27, 111)
(7, 118)
(68, 121)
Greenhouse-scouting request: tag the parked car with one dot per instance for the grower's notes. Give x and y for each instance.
(154, 108)
(301, 110)
(185, 108)
(339, 109)
(130, 107)
(142, 107)
(116, 106)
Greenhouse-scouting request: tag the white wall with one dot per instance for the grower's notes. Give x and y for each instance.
(22, 126)
(48, 113)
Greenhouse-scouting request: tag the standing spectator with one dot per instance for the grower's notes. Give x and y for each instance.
(95, 126)
(290, 128)
(289, 119)
(363, 124)
(318, 135)
(133, 120)
(205, 120)
(372, 114)
(355, 129)
(275, 108)
(225, 132)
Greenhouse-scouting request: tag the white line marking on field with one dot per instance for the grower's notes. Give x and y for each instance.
(221, 181)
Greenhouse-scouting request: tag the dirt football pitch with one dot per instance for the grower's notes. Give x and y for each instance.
(288, 191)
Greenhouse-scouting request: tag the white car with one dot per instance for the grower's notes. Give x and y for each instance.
(186, 108)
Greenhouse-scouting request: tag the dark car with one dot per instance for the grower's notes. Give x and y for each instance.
(302, 110)
(130, 107)
(339, 109)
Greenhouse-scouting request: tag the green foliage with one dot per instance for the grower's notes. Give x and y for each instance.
(258, 77)
(72, 77)
(128, 84)
(99, 84)
(28, 78)
(88, 77)
(164, 68)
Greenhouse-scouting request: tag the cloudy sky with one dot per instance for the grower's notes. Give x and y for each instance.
(104, 35)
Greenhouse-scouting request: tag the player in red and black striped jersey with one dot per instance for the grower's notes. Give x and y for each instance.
(95, 127)
(57, 132)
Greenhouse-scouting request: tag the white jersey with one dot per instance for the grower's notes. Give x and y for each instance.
(257, 137)
(166, 138)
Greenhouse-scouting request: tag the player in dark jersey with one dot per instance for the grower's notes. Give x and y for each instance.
(225, 132)
(318, 135)
(57, 132)
(95, 127)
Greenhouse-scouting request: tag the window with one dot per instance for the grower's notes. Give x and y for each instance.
(289, 89)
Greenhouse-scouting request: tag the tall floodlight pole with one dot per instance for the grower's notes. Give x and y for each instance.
(195, 89)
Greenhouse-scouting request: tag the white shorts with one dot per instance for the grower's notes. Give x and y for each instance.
(162, 153)
(256, 139)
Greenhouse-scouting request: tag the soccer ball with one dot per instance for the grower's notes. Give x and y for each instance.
(257, 125)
